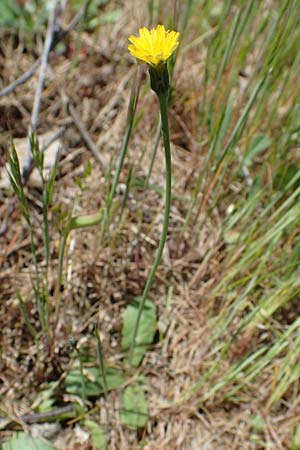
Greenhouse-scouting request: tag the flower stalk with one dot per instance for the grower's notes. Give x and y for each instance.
(155, 47)
(163, 104)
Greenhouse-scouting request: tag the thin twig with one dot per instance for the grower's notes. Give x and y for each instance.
(60, 413)
(87, 138)
(11, 207)
(38, 95)
(114, 100)
(59, 35)
(22, 79)
(74, 21)
(53, 138)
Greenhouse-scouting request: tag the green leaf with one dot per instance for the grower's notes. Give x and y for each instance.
(29, 17)
(135, 408)
(93, 381)
(97, 434)
(146, 331)
(223, 126)
(9, 13)
(231, 237)
(25, 442)
(258, 424)
(295, 441)
(105, 19)
(286, 175)
(259, 144)
(46, 405)
(93, 6)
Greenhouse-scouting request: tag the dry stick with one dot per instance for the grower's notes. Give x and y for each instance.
(73, 23)
(11, 207)
(22, 79)
(87, 138)
(54, 415)
(112, 103)
(37, 99)
(59, 36)
(53, 138)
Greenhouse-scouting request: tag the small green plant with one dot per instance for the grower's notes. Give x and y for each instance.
(40, 280)
(25, 442)
(28, 18)
(93, 16)
(155, 47)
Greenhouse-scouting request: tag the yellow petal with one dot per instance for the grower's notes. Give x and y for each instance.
(154, 46)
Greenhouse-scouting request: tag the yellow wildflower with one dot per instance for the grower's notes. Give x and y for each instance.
(154, 46)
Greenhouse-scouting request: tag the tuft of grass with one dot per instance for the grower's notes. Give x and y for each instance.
(259, 276)
(14, 173)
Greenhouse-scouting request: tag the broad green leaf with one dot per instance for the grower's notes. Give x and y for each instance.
(135, 408)
(146, 331)
(9, 13)
(28, 17)
(97, 434)
(25, 442)
(93, 381)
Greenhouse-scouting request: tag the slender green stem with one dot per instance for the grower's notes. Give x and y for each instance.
(126, 196)
(115, 180)
(83, 393)
(156, 142)
(26, 318)
(163, 103)
(101, 362)
(130, 123)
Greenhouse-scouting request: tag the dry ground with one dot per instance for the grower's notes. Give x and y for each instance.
(101, 280)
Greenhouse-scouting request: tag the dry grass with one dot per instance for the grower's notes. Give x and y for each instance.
(100, 280)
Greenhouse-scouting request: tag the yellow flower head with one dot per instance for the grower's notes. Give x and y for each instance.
(154, 46)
